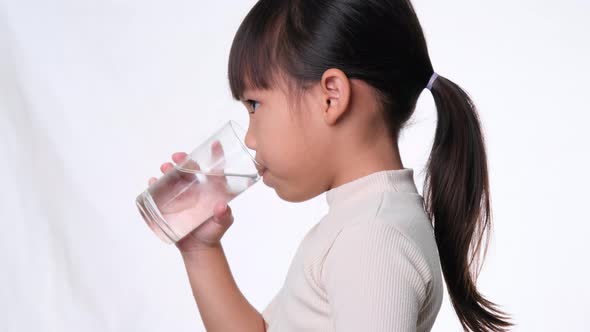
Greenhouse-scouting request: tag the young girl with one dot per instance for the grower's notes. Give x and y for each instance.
(329, 84)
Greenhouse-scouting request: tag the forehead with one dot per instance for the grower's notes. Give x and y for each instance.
(257, 93)
(277, 85)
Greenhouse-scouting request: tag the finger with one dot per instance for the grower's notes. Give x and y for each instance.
(165, 167)
(217, 150)
(187, 165)
(179, 157)
(186, 162)
(217, 156)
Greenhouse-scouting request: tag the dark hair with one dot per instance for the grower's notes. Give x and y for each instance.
(381, 42)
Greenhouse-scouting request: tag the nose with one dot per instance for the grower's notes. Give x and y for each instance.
(249, 140)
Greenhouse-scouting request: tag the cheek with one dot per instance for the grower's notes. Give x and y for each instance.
(281, 144)
(283, 151)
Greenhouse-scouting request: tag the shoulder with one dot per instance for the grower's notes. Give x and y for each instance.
(398, 218)
(396, 240)
(405, 214)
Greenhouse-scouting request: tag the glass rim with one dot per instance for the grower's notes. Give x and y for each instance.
(233, 124)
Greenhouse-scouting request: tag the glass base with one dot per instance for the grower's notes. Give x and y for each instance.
(154, 219)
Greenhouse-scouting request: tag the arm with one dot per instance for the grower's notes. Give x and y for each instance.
(221, 304)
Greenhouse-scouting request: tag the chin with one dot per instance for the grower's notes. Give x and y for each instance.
(293, 197)
(289, 199)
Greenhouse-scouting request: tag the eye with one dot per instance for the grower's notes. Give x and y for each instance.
(252, 103)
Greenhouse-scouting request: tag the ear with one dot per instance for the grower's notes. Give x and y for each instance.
(336, 91)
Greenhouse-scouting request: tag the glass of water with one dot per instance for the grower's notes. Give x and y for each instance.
(221, 168)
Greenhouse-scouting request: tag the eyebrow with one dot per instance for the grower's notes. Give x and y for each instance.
(245, 99)
(243, 96)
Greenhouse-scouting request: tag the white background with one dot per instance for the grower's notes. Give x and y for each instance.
(95, 95)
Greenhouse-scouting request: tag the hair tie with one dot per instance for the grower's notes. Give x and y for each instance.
(432, 79)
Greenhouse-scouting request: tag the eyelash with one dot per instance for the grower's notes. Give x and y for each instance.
(251, 102)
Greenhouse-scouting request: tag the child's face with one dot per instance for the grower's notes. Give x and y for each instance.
(328, 139)
(288, 143)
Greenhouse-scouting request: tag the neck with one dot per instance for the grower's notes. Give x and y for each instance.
(381, 154)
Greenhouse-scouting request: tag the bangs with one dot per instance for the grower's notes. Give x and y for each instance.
(254, 59)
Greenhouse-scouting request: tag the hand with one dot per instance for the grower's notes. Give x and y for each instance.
(210, 232)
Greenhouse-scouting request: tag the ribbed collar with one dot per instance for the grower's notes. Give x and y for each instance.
(401, 180)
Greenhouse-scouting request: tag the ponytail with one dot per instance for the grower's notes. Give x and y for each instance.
(456, 192)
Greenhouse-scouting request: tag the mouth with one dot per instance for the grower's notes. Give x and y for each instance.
(261, 170)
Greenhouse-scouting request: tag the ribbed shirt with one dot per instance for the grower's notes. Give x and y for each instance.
(370, 264)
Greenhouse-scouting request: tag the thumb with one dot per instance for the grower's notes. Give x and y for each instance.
(222, 214)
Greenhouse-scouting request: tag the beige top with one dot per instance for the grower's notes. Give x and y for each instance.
(370, 264)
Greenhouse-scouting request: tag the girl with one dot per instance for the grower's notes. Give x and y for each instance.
(329, 85)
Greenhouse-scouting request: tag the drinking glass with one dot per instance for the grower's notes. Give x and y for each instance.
(219, 169)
